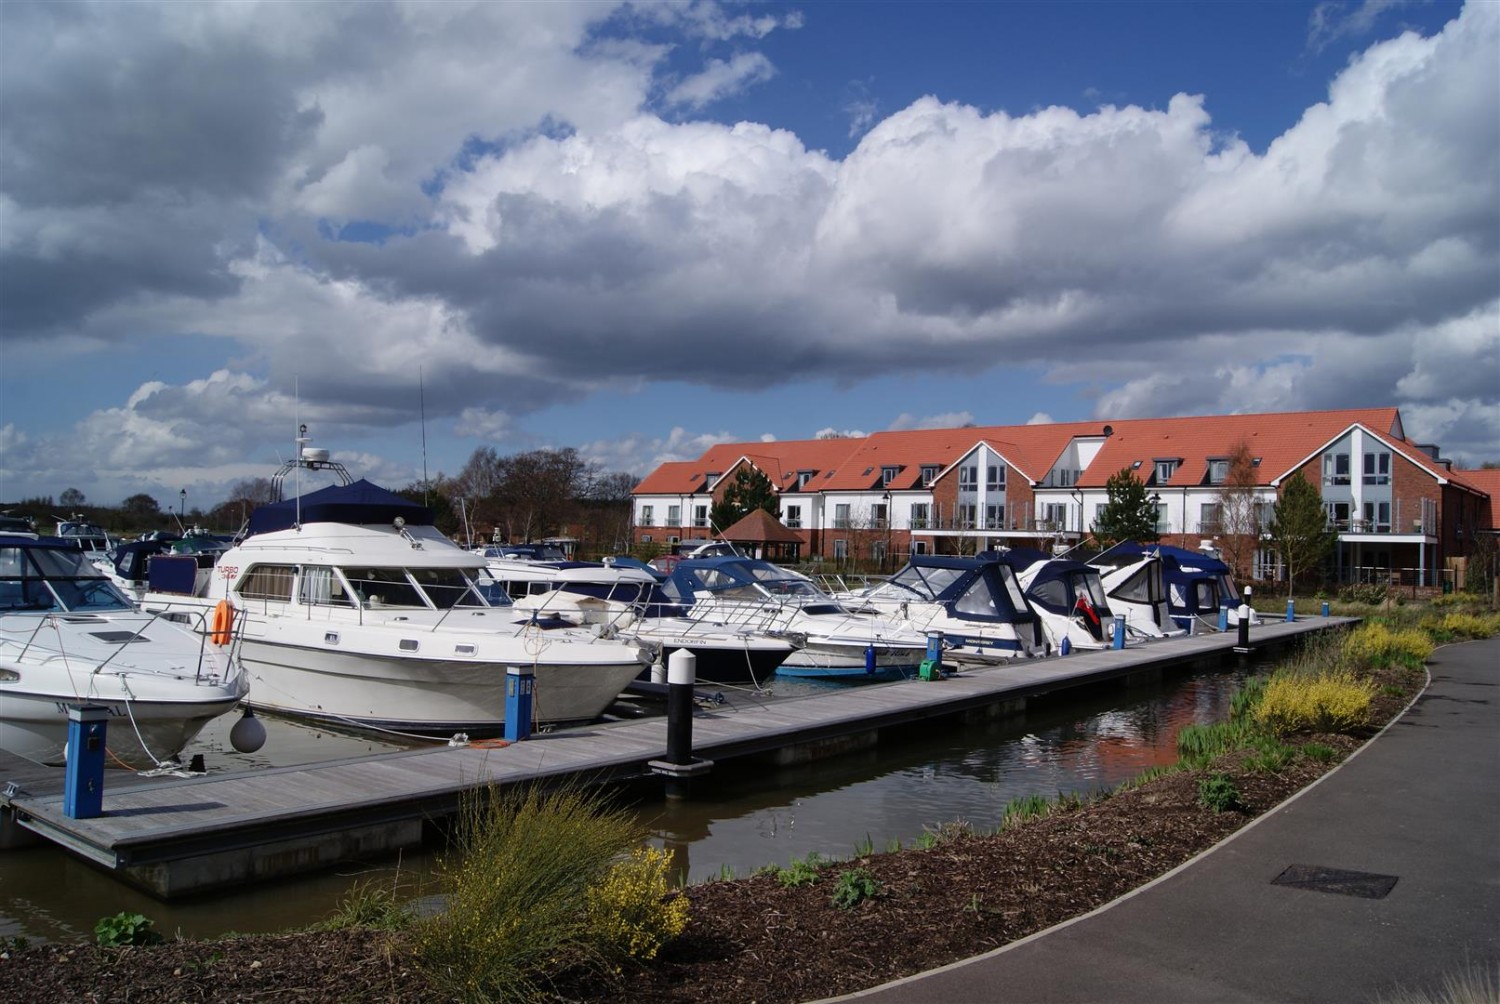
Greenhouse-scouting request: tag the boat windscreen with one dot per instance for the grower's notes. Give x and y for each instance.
(384, 587)
(447, 588)
(1142, 587)
(1086, 583)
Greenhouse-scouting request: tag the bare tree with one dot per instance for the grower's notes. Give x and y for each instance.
(1239, 515)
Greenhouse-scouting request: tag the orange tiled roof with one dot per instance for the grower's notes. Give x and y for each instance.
(1281, 441)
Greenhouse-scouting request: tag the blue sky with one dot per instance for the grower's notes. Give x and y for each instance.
(637, 229)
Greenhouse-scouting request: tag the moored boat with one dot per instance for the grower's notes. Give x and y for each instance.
(69, 638)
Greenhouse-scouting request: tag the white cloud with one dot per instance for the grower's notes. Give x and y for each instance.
(720, 79)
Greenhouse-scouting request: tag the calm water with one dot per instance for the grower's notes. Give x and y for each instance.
(739, 821)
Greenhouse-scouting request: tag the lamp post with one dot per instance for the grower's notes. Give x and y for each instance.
(1156, 512)
(889, 523)
(182, 505)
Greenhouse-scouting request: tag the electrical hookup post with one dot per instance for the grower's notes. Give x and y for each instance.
(1243, 649)
(83, 780)
(680, 766)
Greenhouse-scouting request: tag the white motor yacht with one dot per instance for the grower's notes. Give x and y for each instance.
(350, 607)
(70, 638)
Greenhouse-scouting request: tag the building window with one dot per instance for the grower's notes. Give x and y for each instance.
(1162, 525)
(877, 551)
(994, 517)
(1378, 517)
(1218, 472)
(919, 516)
(700, 515)
(841, 516)
(880, 515)
(1335, 468)
(674, 515)
(995, 478)
(1338, 514)
(929, 474)
(841, 550)
(1064, 478)
(1377, 468)
(887, 475)
(1208, 518)
(1055, 516)
(672, 538)
(803, 477)
(919, 547)
(794, 517)
(968, 477)
(1164, 471)
(648, 515)
(645, 538)
(967, 514)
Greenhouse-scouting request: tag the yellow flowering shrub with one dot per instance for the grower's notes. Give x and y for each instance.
(1333, 701)
(631, 909)
(1471, 625)
(1374, 644)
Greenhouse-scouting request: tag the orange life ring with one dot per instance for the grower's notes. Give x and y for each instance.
(223, 627)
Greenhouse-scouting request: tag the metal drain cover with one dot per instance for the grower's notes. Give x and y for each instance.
(1365, 885)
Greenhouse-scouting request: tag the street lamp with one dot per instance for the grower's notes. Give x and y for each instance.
(1156, 510)
(182, 505)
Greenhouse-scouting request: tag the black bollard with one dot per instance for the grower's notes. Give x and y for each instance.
(1243, 648)
(680, 766)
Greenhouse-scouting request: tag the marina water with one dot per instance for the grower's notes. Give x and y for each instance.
(738, 820)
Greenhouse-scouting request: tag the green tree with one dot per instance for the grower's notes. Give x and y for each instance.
(71, 498)
(141, 510)
(1299, 530)
(750, 490)
(1129, 514)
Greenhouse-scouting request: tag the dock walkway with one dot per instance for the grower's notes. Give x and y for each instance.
(173, 836)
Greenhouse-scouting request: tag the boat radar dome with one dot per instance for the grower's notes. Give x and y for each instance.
(314, 455)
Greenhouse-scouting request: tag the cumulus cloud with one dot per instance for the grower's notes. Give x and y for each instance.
(536, 231)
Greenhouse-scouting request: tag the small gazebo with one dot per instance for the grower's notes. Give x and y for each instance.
(763, 535)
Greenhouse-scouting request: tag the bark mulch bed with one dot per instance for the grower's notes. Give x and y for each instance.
(749, 939)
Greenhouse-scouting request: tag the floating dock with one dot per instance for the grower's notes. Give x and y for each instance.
(178, 836)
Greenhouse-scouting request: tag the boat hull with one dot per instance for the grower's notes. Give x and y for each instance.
(820, 661)
(422, 696)
(138, 734)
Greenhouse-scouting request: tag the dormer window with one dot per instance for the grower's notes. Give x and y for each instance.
(929, 474)
(710, 477)
(1218, 470)
(803, 477)
(1165, 468)
(888, 474)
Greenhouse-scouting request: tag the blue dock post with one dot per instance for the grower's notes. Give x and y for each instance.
(1325, 608)
(680, 766)
(1223, 618)
(83, 782)
(520, 687)
(1119, 639)
(932, 663)
(1291, 611)
(1064, 646)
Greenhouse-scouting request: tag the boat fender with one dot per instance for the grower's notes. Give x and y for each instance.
(223, 624)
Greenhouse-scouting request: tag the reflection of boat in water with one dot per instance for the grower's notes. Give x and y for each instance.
(976, 603)
(349, 606)
(68, 637)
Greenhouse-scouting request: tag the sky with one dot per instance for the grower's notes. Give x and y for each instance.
(638, 229)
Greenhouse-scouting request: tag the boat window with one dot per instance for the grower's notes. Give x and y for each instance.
(978, 600)
(447, 587)
(1136, 588)
(1013, 589)
(384, 587)
(321, 587)
(1087, 584)
(269, 582)
(1052, 594)
(1206, 593)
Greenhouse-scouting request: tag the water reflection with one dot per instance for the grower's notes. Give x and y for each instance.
(742, 819)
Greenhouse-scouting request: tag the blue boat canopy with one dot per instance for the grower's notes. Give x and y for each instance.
(977, 588)
(360, 503)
